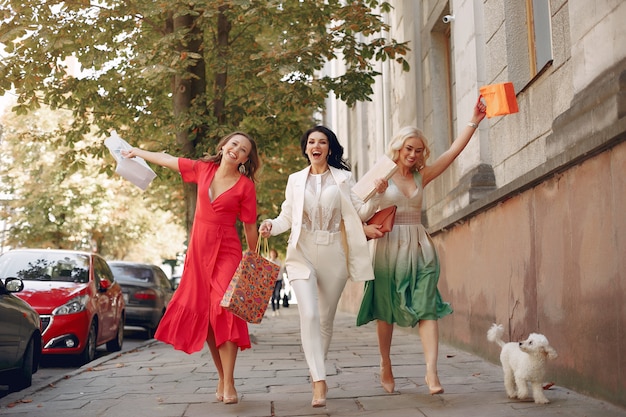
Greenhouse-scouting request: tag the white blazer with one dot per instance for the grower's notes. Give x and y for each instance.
(353, 212)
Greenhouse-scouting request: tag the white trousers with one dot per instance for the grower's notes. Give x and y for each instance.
(319, 295)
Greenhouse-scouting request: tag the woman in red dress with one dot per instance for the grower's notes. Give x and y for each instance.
(225, 192)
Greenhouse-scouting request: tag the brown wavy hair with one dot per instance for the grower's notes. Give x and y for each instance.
(250, 167)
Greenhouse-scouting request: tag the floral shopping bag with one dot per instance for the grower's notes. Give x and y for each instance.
(250, 289)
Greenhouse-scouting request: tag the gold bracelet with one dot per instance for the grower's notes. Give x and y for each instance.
(472, 124)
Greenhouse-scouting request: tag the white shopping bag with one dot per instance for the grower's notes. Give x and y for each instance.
(135, 170)
(383, 168)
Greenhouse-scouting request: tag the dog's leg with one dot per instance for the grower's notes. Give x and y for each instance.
(509, 382)
(522, 387)
(538, 394)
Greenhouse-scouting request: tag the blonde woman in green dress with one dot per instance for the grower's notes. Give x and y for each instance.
(406, 266)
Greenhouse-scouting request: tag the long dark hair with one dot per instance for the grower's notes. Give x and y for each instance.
(335, 152)
(250, 167)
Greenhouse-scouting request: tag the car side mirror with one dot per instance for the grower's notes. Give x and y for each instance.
(14, 284)
(104, 285)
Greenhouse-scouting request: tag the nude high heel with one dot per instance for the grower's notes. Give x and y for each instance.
(219, 395)
(386, 378)
(319, 400)
(435, 389)
(230, 399)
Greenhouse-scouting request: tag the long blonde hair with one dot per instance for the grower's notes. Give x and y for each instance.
(397, 142)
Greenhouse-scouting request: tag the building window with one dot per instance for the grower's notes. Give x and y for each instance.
(529, 40)
(440, 87)
(539, 35)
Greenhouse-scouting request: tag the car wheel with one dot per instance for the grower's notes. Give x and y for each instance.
(24, 375)
(89, 353)
(115, 345)
(150, 332)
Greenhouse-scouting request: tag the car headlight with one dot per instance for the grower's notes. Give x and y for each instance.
(75, 305)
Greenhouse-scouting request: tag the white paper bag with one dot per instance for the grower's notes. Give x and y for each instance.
(135, 170)
(383, 168)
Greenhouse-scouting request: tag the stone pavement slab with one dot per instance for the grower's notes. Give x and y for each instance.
(272, 380)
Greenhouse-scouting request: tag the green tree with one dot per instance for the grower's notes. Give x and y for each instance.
(47, 205)
(178, 75)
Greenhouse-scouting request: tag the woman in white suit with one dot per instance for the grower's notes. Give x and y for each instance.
(327, 244)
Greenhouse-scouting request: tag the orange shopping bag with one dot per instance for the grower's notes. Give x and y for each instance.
(499, 98)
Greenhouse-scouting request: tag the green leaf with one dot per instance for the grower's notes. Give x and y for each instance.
(177, 76)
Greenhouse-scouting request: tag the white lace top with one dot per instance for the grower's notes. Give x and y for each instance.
(322, 204)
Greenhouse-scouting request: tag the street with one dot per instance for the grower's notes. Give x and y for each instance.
(53, 367)
(272, 379)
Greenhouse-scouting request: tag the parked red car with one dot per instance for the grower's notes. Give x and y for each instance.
(79, 303)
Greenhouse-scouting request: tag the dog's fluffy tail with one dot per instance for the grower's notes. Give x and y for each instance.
(494, 334)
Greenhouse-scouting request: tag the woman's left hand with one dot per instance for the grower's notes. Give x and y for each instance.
(265, 229)
(372, 232)
(480, 111)
(128, 153)
(380, 185)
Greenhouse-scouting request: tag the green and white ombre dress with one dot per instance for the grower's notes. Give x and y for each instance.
(406, 267)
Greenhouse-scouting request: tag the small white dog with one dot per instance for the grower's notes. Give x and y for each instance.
(523, 362)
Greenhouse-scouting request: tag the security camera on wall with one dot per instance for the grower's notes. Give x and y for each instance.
(448, 18)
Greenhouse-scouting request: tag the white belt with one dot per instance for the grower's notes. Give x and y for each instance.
(323, 237)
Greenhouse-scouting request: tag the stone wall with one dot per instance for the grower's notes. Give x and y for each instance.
(529, 220)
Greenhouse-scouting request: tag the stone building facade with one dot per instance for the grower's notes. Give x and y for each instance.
(530, 220)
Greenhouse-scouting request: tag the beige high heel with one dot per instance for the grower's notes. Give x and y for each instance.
(433, 390)
(218, 395)
(386, 378)
(320, 401)
(231, 399)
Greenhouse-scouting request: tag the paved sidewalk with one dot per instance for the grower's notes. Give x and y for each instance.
(272, 380)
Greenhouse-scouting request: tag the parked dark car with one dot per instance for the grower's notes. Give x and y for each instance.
(20, 337)
(175, 280)
(79, 303)
(147, 292)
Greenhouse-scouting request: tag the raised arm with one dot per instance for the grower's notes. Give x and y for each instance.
(159, 158)
(430, 172)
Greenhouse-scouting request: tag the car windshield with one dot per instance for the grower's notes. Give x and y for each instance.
(45, 266)
(130, 273)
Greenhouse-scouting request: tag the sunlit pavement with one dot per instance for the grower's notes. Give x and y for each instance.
(272, 380)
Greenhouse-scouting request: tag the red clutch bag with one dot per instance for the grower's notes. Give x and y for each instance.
(385, 218)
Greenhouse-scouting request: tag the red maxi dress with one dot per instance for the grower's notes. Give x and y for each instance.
(213, 254)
